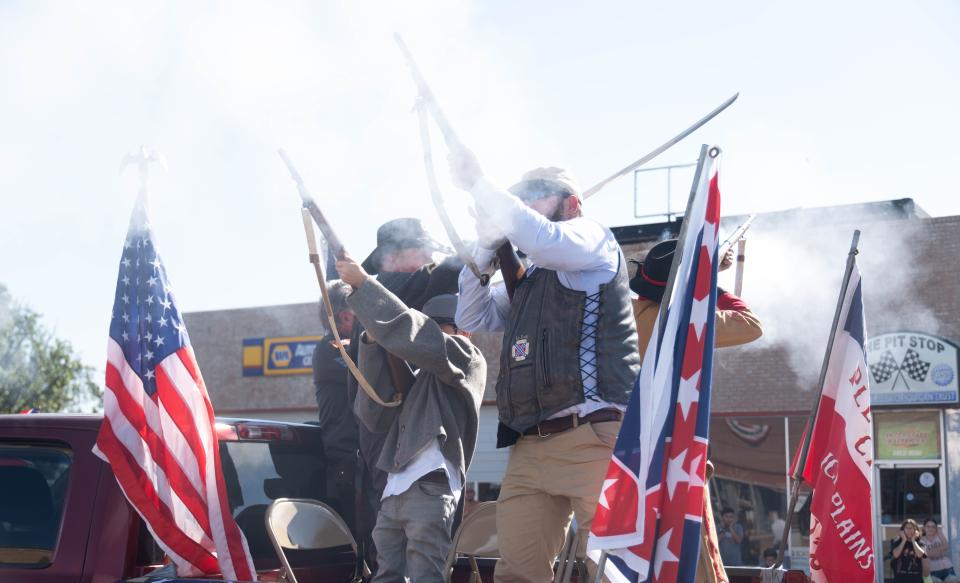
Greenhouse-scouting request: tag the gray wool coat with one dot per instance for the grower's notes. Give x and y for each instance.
(444, 401)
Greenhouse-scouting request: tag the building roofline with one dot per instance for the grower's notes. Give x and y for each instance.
(896, 209)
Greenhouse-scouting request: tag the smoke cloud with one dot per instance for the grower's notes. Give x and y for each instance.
(794, 267)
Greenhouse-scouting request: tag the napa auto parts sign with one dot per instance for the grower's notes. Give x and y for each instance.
(912, 368)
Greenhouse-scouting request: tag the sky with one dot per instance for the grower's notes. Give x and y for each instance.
(840, 102)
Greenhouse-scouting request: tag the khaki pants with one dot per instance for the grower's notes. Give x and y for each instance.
(547, 480)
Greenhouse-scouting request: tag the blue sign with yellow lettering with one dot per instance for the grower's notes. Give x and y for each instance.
(291, 355)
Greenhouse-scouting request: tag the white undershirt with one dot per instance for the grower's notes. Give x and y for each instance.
(429, 459)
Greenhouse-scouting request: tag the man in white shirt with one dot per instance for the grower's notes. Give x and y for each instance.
(568, 362)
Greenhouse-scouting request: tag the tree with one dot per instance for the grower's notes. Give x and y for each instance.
(36, 369)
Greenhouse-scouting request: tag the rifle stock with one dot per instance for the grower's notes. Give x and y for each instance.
(511, 267)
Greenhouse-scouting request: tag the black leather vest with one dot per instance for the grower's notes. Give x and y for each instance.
(540, 359)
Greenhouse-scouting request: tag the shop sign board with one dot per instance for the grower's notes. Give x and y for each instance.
(908, 439)
(912, 368)
(291, 355)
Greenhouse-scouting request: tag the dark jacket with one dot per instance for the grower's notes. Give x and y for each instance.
(413, 289)
(337, 423)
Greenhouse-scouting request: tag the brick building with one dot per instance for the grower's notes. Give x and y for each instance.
(253, 362)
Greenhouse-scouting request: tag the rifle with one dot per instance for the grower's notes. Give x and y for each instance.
(336, 247)
(735, 236)
(310, 211)
(426, 102)
(511, 267)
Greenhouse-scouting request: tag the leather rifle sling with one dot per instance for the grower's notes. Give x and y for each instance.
(331, 319)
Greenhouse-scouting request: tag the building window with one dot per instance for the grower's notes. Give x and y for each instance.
(909, 493)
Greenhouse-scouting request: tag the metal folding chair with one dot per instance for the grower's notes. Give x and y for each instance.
(304, 524)
(475, 538)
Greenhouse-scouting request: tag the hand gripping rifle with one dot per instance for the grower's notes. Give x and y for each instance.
(737, 237)
(310, 209)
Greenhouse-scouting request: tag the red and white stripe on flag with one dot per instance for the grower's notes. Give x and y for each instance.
(841, 455)
(158, 432)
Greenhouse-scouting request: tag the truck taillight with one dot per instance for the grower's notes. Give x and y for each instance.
(265, 432)
(226, 432)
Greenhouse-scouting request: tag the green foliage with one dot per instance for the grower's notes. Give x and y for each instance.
(36, 369)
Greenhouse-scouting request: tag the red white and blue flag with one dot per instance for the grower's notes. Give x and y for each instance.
(651, 504)
(158, 431)
(838, 465)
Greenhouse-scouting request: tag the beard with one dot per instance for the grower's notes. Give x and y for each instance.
(557, 215)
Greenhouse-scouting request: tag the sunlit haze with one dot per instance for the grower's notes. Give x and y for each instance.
(840, 102)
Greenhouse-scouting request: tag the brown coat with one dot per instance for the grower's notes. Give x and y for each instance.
(736, 324)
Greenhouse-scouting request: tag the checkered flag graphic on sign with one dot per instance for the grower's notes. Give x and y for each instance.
(886, 368)
(914, 367)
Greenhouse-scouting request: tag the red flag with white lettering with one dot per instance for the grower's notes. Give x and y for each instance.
(841, 455)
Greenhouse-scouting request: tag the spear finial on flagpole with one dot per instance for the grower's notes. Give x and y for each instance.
(142, 158)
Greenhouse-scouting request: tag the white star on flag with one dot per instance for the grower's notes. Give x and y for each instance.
(698, 315)
(709, 234)
(675, 473)
(663, 553)
(603, 493)
(694, 475)
(688, 393)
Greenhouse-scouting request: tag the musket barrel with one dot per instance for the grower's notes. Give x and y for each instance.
(310, 205)
(427, 98)
(735, 236)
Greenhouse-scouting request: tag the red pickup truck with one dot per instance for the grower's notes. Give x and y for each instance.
(64, 519)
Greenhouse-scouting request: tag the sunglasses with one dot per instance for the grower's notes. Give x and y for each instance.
(530, 190)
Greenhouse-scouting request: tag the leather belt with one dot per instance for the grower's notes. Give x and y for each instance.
(435, 477)
(561, 424)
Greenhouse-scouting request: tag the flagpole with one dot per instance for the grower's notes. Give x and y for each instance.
(678, 252)
(601, 565)
(805, 441)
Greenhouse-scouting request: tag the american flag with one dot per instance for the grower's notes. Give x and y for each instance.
(158, 430)
(651, 503)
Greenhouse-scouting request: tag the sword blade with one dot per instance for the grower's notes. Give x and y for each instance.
(663, 148)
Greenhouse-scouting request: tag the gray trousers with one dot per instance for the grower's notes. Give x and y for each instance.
(412, 534)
